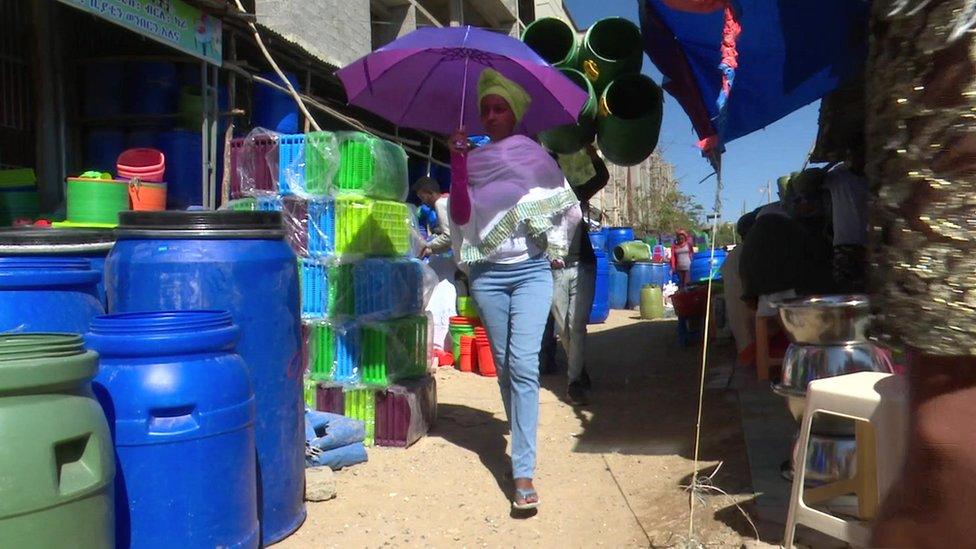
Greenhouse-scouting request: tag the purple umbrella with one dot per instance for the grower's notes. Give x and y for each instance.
(426, 79)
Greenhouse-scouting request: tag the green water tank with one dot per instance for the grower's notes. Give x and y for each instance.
(57, 442)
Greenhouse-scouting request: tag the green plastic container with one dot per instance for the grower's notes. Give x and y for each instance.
(394, 350)
(651, 302)
(611, 48)
(96, 201)
(18, 203)
(630, 252)
(360, 403)
(321, 351)
(554, 40)
(379, 228)
(466, 307)
(573, 137)
(342, 297)
(370, 166)
(456, 332)
(629, 124)
(56, 455)
(321, 162)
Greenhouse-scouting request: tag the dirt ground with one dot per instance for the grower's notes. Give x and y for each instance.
(611, 474)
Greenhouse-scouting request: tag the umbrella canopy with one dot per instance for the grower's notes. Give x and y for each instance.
(788, 54)
(425, 79)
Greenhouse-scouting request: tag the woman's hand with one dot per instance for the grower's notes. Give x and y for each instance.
(458, 142)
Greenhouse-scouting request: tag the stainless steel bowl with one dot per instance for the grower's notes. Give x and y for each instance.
(823, 424)
(805, 363)
(826, 320)
(829, 459)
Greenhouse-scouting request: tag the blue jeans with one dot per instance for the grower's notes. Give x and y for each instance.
(514, 301)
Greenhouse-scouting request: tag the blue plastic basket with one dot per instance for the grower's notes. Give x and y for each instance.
(315, 287)
(269, 204)
(388, 288)
(291, 167)
(346, 353)
(321, 228)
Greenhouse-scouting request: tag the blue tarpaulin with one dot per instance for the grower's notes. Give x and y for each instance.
(790, 53)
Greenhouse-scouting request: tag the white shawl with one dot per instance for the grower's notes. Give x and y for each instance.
(513, 184)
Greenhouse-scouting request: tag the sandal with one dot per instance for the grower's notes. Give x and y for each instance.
(525, 495)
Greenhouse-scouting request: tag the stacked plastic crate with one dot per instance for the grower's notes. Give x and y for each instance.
(366, 334)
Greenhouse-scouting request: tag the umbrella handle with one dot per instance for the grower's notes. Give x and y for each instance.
(464, 81)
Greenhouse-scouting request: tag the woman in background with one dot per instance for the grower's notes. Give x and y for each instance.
(513, 212)
(682, 253)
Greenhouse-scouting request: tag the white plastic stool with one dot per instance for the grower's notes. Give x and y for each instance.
(879, 403)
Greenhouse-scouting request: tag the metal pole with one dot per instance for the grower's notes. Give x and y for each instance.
(205, 135)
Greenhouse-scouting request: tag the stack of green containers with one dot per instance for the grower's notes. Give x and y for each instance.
(624, 109)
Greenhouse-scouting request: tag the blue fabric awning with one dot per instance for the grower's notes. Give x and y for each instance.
(790, 53)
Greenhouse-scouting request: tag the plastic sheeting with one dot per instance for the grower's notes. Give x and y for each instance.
(790, 53)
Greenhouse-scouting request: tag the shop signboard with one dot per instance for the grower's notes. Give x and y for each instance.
(172, 22)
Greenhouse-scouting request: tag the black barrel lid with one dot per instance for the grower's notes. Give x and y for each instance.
(33, 240)
(201, 225)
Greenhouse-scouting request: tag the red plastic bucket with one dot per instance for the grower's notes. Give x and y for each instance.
(465, 363)
(144, 164)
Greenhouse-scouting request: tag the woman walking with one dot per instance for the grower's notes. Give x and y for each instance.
(514, 212)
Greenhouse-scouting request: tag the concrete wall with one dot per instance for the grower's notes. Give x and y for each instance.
(336, 31)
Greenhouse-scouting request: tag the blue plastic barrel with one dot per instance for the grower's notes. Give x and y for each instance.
(104, 89)
(179, 402)
(598, 239)
(184, 169)
(238, 262)
(143, 138)
(48, 294)
(643, 273)
(274, 109)
(152, 87)
(102, 149)
(601, 289)
(619, 280)
(92, 245)
(618, 235)
(700, 265)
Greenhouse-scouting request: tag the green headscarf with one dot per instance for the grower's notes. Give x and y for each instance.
(492, 82)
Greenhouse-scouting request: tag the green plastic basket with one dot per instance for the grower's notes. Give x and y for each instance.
(320, 162)
(374, 167)
(394, 350)
(390, 227)
(342, 297)
(321, 351)
(360, 403)
(371, 227)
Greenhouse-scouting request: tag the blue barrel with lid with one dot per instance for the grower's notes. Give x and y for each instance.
(179, 402)
(618, 284)
(618, 235)
(238, 262)
(643, 273)
(92, 245)
(48, 294)
(601, 288)
(701, 261)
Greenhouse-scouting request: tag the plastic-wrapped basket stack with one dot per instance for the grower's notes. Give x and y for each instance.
(366, 339)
